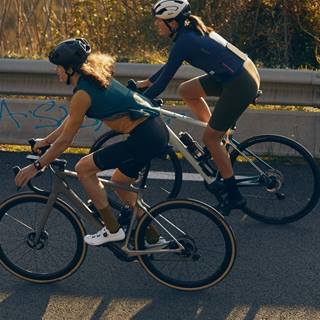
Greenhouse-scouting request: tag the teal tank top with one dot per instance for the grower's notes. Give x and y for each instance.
(115, 101)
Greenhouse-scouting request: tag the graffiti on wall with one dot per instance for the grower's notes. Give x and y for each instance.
(46, 115)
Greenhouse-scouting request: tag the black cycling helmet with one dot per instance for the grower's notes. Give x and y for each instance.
(70, 53)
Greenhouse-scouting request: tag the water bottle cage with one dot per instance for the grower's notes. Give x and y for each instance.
(207, 167)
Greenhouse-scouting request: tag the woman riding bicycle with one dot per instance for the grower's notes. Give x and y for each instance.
(230, 74)
(97, 95)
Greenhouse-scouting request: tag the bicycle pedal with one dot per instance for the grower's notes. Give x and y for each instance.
(118, 252)
(217, 187)
(225, 207)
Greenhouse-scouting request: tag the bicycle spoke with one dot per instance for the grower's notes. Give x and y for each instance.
(288, 188)
(23, 255)
(205, 252)
(54, 256)
(19, 222)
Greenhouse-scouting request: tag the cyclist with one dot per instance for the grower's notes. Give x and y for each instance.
(98, 95)
(230, 74)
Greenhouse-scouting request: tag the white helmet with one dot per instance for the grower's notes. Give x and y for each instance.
(171, 9)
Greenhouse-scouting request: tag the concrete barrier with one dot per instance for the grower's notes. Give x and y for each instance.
(21, 119)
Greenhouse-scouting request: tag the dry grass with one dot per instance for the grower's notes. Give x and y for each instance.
(285, 108)
(25, 148)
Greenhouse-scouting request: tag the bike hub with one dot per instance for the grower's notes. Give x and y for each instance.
(190, 249)
(40, 244)
(274, 180)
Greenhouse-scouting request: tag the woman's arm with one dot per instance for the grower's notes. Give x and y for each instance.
(52, 137)
(166, 73)
(148, 82)
(155, 76)
(80, 103)
(65, 134)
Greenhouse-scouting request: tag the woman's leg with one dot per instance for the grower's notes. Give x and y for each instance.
(87, 174)
(213, 140)
(129, 198)
(234, 99)
(192, 94)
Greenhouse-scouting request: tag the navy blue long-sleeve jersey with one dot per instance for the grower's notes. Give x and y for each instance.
(209, 53)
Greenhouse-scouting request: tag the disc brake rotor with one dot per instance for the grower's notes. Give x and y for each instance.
(274, 180)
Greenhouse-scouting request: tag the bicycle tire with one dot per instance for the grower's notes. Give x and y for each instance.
(21, 210)
(284, 205)
(163, 189)
(221, 239)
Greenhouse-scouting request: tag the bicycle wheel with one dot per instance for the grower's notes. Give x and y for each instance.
(164, 172)
(60, 250)
(286, 189)
(210, 247)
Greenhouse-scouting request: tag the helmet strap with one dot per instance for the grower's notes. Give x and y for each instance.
(68, 82)
(172, 31)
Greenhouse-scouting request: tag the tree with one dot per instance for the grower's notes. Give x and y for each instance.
(275, 33)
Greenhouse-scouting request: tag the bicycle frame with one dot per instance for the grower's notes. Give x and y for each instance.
(179, 146)
(61, 187)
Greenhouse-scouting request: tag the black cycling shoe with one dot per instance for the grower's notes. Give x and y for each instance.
(217, 187)
(228, 204)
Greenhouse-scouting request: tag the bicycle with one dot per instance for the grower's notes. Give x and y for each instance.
(261, 165)
(41, 235)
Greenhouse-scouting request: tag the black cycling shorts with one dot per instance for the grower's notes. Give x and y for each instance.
(234, 95)
(145, 142)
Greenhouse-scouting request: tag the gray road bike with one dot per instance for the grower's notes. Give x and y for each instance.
(41, 235)
(278, 176)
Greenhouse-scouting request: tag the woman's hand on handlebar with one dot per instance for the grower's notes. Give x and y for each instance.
(25, 175)
(41, 144)
(143, 84)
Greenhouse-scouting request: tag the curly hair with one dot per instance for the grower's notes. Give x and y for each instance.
(99, 68)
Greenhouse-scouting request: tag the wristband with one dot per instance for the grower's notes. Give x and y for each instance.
(37, 165)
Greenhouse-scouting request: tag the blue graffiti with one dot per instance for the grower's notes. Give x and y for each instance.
(44, 113)
(97, 124)
(46, 108)
(4, 109)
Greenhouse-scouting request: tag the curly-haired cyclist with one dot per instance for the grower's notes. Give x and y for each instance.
(98, 95)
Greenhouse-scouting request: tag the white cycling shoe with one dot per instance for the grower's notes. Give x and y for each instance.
(104, 236)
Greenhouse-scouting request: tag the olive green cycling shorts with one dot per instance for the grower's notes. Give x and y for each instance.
(234, 95)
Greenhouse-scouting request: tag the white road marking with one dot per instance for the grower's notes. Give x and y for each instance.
(160, 175)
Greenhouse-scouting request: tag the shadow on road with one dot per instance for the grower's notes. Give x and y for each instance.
(275, 276)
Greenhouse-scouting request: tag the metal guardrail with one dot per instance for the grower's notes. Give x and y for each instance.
(37, 78)
(21, 119)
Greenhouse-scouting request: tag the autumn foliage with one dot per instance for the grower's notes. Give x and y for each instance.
(275, 33)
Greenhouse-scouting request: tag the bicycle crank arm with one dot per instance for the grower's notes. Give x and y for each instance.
(118, 252)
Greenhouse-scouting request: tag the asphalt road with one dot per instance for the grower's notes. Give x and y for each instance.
(275, 276)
